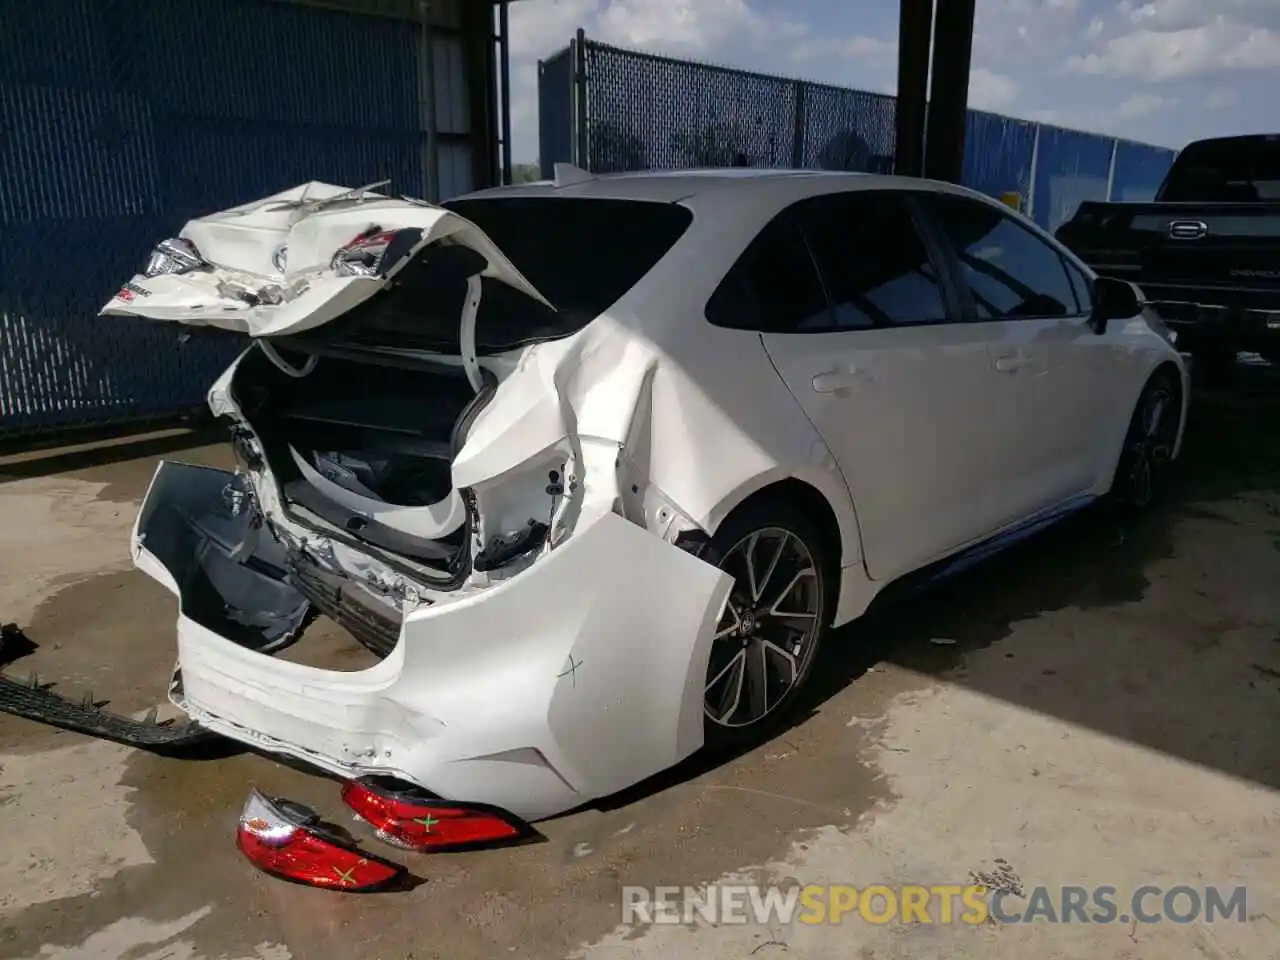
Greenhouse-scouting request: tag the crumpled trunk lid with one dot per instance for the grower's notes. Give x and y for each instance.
(267, 268)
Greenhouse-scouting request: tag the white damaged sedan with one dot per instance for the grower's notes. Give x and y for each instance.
(594, 465)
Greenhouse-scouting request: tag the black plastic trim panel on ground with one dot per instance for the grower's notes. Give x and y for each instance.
(34, 700)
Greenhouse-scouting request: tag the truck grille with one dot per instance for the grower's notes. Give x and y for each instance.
(1178, 298)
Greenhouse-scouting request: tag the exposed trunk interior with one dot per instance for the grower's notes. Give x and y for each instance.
(365, 444)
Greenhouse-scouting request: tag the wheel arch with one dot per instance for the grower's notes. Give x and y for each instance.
(1177, 374)
(836, 532)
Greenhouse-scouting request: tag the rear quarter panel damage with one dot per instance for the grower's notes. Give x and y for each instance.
(538, 694)
(671, 436)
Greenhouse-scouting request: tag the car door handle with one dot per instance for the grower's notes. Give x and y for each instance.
(1012, 364)
(833, 380)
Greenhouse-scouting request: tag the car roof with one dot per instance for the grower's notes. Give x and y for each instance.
(764, 186)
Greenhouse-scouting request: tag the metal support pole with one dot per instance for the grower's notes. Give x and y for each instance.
(1111, 170)
(949, 91)
(504, 81)
(915, 34)
(579, 55)
(482, 95)
(1035, 166)
(427, 104)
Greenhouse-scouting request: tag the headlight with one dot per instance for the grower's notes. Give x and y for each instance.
(174, 256)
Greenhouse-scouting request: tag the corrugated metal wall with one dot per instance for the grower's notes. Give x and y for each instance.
(122, 119)
(648, 111)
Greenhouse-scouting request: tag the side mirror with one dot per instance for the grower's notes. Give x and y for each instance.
(1113, 300)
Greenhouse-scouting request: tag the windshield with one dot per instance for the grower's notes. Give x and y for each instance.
(582, 254)
(1236, 170)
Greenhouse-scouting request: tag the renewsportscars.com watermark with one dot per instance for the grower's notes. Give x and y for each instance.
(940, 904)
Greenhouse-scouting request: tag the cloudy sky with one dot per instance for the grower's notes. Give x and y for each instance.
(1161, 71)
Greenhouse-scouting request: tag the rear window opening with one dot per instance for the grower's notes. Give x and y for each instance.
(582, 254)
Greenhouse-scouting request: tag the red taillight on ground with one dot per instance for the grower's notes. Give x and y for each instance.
(408, 818)
(287, 841)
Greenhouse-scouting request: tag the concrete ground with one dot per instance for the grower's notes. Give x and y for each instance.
(1100, 707)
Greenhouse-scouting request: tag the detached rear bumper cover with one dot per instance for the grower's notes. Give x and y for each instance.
(575, 679)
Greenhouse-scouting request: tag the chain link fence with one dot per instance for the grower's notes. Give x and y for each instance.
(122, 120)
(608, 109)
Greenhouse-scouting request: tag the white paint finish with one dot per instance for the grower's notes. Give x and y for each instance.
(945, 435)
(43, 801)
(1089, 380)
(239, 244)
(920, 430)
(489, 675)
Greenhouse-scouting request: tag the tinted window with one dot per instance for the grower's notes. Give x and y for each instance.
(1080, 285)
(421, 311)
(1011, 273)
(1233, 170)
(583, 255)
(773, 287)
(876, 269)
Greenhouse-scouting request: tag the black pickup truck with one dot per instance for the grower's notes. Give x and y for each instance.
(1205, 252)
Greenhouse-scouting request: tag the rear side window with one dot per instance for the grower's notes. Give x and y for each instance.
(875, 266)
(773, 287)
(583, 254)
(1010, 272)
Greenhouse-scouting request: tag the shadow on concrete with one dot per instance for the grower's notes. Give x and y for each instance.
(20, 464)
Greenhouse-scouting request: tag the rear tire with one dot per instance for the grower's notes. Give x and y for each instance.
(773, 624)
(1143, 470)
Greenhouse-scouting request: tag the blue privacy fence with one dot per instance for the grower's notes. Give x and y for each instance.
(607, 109)
(122, 120)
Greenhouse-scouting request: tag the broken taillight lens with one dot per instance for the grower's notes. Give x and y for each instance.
(374, 252)
(408, 818)
(286, 840)
(176, 255)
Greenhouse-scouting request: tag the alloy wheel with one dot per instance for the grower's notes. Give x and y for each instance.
(1151, 448)
(767, 635)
